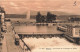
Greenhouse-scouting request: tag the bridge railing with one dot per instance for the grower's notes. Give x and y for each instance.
(39, 33)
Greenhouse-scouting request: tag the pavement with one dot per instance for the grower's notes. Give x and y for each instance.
(0, 48)
(8, 41)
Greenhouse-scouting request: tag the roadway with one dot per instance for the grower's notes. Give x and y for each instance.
(9, 40)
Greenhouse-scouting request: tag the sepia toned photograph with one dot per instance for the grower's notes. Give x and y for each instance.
(39, 25)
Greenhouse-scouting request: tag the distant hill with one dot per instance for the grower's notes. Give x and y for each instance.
(53, 12)
(15, 16)
(60, 15)
(66, 17)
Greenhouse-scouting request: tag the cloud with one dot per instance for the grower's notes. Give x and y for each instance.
(24, 5)
(13, 4)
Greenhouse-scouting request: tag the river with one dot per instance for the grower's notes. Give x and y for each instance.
(37, 29)
(54, 44)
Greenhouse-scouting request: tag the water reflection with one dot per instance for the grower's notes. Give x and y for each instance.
(36, 29)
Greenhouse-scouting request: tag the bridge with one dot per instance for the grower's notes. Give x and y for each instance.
(34, 23)
(40, 35)
(53, 23)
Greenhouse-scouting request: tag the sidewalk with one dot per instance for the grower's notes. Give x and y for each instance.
(4, 47)
(0, 48)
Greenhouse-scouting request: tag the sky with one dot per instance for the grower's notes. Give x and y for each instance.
(22, 6)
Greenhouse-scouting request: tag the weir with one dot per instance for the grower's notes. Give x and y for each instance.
(40, 35)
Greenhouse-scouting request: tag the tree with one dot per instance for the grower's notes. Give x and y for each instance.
(50, 17)
(53, 16)
(42, 19)
(38, 17)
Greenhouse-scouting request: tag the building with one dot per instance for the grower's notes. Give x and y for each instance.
(2, 18)
(73, 33)
(2, 13)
